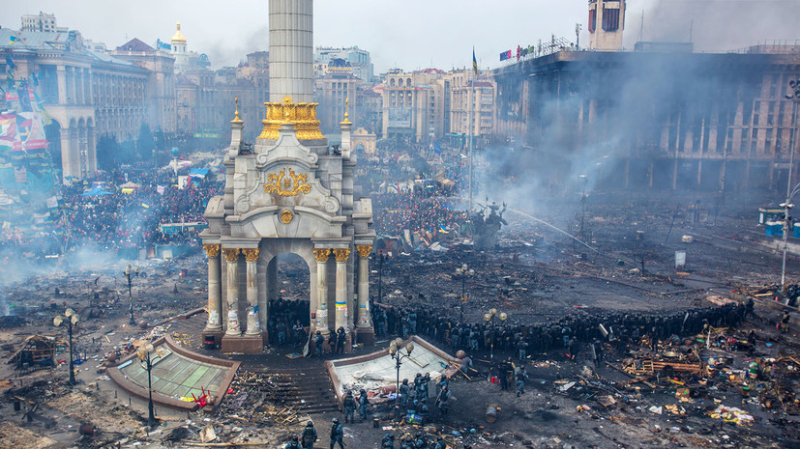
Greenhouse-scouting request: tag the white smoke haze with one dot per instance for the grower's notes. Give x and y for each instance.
(713, 25)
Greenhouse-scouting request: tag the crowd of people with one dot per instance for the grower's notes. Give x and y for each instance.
(110, 217)
(568, 335)
(416, 213)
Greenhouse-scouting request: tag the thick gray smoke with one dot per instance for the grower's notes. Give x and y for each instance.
(639, 103)
(713, 25)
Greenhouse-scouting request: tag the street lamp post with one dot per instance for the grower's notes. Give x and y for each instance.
(794, 95)
(144, 352)
(71, 317)
(463, 271)
(127, 274)
(489, 318)
(394, 350)
(583, 206)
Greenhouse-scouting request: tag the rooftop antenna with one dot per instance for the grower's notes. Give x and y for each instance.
(577, 36)
(641, 28)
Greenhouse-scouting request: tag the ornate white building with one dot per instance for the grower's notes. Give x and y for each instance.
(287, 193)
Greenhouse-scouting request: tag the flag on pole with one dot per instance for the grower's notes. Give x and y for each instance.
(474, 62)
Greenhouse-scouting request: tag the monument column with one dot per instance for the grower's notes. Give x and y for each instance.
(232, 293)
(341, 254)
(364, 318)
(321, 313)
(214, 294)
(251, 256)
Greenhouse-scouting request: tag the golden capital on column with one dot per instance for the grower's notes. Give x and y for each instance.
(231, 254)
(363, 250)
(322, 254)
(211, 250)
(250, 254)
(341, 254)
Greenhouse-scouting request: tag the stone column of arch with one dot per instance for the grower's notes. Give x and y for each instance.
(321, 314)
(341, 255)
(253, 327)
(364, 318)
(214, 294)
(232, 296)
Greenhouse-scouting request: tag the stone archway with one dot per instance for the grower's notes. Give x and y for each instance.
(286, 194)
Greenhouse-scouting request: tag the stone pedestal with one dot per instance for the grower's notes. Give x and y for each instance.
(244, 344)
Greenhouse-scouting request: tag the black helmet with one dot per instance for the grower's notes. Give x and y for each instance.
(309, 424)
(336, 420)
(294, 438)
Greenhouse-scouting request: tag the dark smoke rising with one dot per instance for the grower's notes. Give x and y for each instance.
(229, 54)
(714, 25)
(636, 101)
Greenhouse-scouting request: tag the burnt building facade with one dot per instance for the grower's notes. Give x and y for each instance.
(667, 119)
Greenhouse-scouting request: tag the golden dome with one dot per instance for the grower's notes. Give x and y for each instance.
(178, 37)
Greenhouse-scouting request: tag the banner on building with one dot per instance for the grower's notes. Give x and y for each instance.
(400, 117)
(505, 55)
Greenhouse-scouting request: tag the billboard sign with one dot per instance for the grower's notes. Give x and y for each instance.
(400, 117)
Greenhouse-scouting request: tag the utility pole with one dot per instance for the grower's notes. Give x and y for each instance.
(577, 36)
(794, 95)
(471, 131)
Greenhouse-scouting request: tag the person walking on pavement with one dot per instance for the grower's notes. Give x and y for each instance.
(363, 402)
(522, 376)
(337, 434)
(294, 444)
(309, 436)
(349, 404)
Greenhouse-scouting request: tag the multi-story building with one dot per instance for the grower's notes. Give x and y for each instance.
(332, 91)
(160, 91)
(87, 93)
(369, 113)
(655, 119)
(40, 22)
(413, 105)
(359, 60)
(606, 24)
(468, 99)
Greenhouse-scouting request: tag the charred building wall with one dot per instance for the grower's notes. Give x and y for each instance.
(661, 120)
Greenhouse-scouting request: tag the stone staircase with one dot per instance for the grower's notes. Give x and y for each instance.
(308, 387)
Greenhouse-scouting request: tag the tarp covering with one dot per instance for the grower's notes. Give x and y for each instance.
(96, 192)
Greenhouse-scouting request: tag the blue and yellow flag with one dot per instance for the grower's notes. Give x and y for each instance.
(12, 40)
(474, 62)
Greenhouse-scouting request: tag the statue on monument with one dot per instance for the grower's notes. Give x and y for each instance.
(485, 227)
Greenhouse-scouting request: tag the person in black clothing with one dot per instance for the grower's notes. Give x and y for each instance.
(332, 342)
(337, 434)
(294, 444)
(341, 337)
(505, 370)
(349, 403)
(319, 340)
(309, 436)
